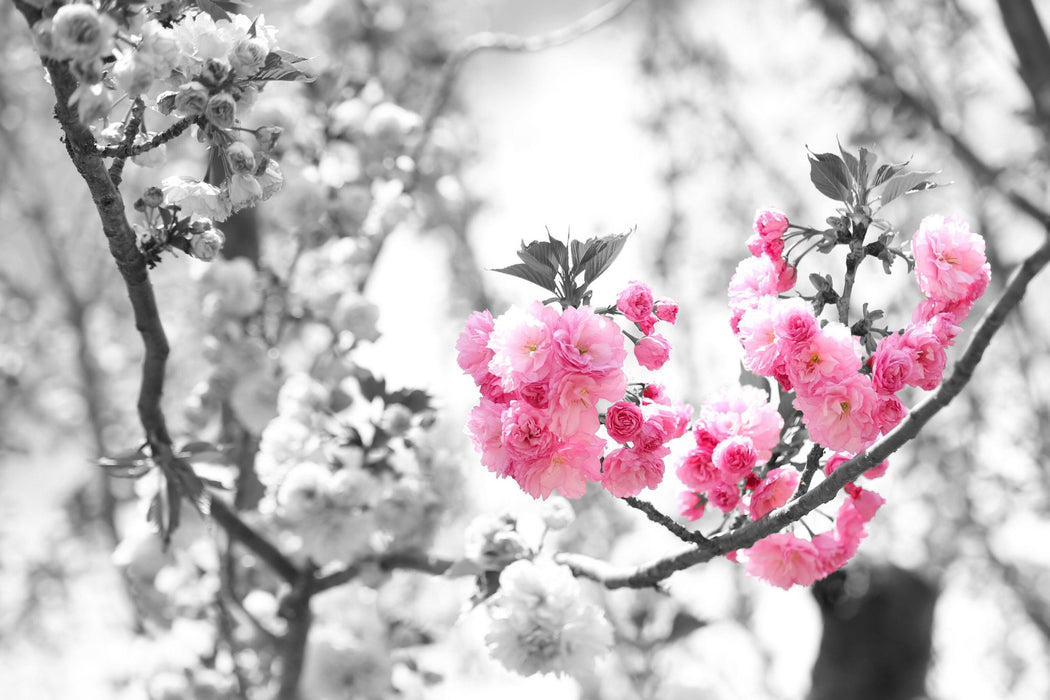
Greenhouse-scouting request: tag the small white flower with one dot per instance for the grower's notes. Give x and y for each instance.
(539, 623)
(195, 198)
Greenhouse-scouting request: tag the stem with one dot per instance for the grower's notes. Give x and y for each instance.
(647, 574)
(812, 465)
(296, 610)
(853, 259)
(666, 522)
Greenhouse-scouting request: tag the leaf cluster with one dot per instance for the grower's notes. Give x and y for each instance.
(856, 182)
(557, 266)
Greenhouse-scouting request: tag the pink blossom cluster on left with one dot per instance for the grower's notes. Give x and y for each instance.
(542, 372)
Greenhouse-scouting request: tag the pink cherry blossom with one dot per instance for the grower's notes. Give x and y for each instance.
(574, 398)
(485, 428)
(567, 469)
(627, 471)
(793, 320)
(655, 393)
(774, 491)
(735, 457)
(536, 394)
(743, 410)
(673, 419)
(784, 560)
(523, 345)
(474, 353)
(891, 366)
(691, 505)
(587, 342)
(652, 351)
(623, 420)
(524, 434)
(696, 470)
(770, 223)
(929, 354)
(889, 412)
(636, 302)
(828, 356)
(841, 416)
(949, 259)
(839, 458)
(724, 496)
(754, 278)
(866, 502)
(758, 337)
(666, 310)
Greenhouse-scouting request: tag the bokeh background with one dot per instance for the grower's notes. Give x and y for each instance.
(676, 118)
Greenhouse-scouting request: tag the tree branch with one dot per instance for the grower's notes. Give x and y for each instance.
(653, 572)
(511, 43)
(982, 171)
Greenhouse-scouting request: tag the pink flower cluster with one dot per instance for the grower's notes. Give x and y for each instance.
(735, 432)
(542, 373)
(637, 304)
(785, 559)
(843, 408)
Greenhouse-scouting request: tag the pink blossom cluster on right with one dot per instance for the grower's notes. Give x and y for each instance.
(848, 402)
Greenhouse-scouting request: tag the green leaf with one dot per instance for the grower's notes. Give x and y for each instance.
(903, 183)
(830, 176)
(526, 272)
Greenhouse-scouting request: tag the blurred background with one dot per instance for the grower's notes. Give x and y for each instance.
(677, 118)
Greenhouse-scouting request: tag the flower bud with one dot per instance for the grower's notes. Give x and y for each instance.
(215, 72)
(244, 190)
(153, 197)
(207, 244)
(191, 99)
(221, 110)
(240, 158)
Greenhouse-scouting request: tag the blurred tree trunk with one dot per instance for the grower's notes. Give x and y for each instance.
(878, 628)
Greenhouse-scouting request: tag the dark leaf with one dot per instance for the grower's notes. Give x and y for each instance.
(867, 162)
(541, 255)
(561, 252)
(275, 68)
(416, 400)
(821, 284)
(523, 271)
(830, 176)
(887, 171)
(289, 57)
(371, 386)
(581, 250)
(213, 9)
(852, 164)
(604, 252)
(903, 183)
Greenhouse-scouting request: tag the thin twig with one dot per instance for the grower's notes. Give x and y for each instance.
(664, 521)
(131, 130)
(510, 43)
(982, 171)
